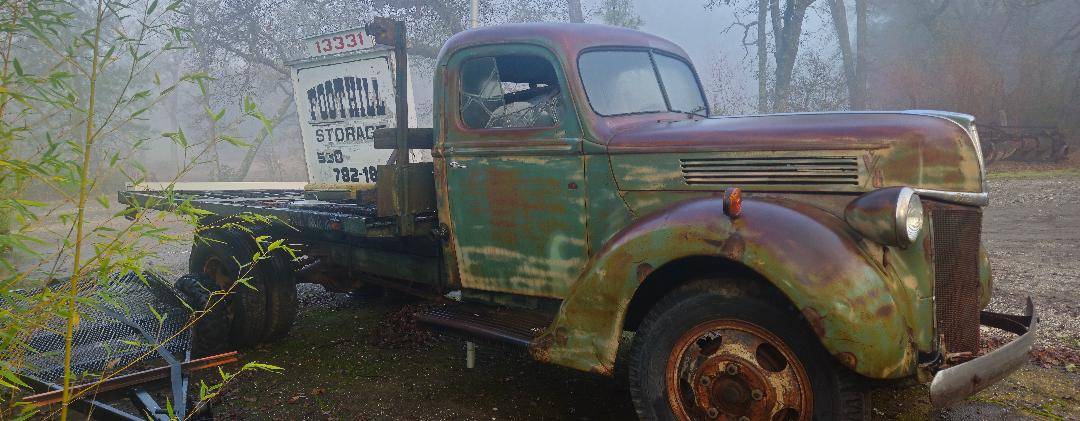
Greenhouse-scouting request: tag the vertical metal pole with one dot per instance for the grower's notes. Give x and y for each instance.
(470, 355)
(401, 164)
(475, 13)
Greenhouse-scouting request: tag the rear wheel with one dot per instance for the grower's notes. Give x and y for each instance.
(699, 354)
(210, 332)
(265, 310)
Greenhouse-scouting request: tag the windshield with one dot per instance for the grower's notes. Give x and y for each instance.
(632, 82)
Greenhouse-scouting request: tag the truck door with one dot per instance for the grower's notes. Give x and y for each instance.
(514, 171)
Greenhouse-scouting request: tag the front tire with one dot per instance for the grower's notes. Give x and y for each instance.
(704, 354)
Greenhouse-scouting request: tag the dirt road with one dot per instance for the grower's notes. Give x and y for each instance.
(338, 366)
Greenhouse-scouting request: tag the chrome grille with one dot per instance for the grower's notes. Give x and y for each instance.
(956, 231)
(816, 170)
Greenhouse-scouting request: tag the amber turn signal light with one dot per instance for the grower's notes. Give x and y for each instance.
(733, 202)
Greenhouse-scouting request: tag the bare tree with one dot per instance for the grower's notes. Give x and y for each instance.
(786, 18)
(573, 7)
(760, 9)
(853, 61)
(619, 13)
(843, 39)
(762, 45)
(285, 109)
(862, 52)
(787, 32)
(983, 57)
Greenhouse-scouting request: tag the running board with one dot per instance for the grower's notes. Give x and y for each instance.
(498, 324)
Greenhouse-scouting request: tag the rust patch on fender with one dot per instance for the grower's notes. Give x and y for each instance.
(561, 336)
(602, 370)
(541, 346)
(817, 323)
(847, 359)
(734, 247)
(643, 271)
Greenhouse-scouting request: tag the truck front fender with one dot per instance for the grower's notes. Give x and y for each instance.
(808, 254)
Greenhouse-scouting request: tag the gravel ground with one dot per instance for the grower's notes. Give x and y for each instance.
(1032, 231)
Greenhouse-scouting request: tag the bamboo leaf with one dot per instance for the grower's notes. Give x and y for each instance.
(12, 378)
(160, 318)
(261, 366)
(235, 141)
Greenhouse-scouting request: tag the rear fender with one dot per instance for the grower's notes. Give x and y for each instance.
(805, 252)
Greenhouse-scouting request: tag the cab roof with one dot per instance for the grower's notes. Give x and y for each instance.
(564, 39)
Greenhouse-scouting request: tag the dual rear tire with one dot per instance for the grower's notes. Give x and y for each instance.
(262, 308)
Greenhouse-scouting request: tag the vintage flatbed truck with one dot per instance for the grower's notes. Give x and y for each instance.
(767, 265)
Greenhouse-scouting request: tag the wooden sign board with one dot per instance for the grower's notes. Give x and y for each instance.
(341, 100)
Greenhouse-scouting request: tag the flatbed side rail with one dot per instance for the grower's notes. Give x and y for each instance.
(310, 217)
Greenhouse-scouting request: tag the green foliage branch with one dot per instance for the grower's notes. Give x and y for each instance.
(77, 83)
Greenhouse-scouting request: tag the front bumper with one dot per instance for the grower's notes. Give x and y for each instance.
(955, 383)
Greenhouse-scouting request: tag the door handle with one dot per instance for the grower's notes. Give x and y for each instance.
(455, 164)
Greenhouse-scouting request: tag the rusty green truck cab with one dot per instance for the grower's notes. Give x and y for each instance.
(603, 212)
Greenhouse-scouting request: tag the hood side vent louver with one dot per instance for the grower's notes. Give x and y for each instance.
(813, 170)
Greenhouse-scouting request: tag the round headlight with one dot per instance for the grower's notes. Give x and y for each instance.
(892, 216)
(909, 215)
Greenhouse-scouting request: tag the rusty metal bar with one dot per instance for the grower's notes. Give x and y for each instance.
(401, 164)
(515, 327)
(133, 379)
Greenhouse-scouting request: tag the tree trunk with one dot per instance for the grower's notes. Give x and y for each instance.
(574, 7)
(861, 98)
(212, 135)
(172, 107)
(787, 30)
(208, 110)
(840, 24)
(249, 155)
(762, 57)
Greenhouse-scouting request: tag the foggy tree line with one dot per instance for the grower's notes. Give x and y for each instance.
(1006, 61)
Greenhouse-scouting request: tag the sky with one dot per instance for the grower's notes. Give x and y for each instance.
(689, 24)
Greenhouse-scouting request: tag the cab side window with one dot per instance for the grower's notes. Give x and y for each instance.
(509, 91)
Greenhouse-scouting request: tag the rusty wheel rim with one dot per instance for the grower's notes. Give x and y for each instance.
(734, 370)
(215, 269)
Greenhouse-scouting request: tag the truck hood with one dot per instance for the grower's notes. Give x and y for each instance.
(853, 151)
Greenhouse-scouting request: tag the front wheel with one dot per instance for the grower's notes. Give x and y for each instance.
(701, 355)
